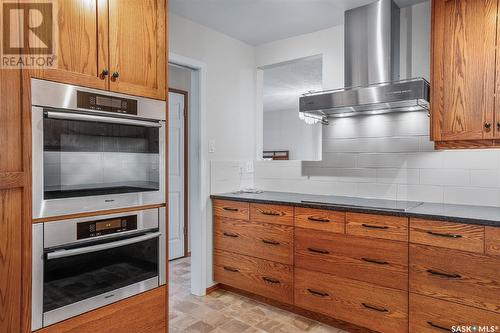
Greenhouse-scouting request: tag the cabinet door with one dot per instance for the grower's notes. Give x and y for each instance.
(137, 45)
(82, 43)
(463, 80)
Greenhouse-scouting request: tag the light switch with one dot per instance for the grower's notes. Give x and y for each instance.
(249, 167)
(211, 146)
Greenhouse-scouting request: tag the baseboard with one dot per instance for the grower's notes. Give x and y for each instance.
(213, 288)
(300, 311)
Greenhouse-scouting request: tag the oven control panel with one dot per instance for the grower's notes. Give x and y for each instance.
(105, 227)
(92, 101)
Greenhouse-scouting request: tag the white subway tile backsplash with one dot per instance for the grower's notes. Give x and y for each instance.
(389, 156)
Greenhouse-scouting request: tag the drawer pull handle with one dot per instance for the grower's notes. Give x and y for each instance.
(270, 213)
(373, 307)
(230, 209)
(375, 261)
(448, 275)
(228, 234)
(443, 235)
(438, 326)
(310, 249)
(317, 293)
(270, 242)
(270, 280)
(371, 226)
(231, 269)
(318, 219)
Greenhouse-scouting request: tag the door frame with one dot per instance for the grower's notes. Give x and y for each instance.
(199, 185)
(185, 232)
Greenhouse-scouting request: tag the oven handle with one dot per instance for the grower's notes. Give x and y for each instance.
(101, 119)
(106, 246)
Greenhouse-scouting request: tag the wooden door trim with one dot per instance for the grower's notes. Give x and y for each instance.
(186, 166)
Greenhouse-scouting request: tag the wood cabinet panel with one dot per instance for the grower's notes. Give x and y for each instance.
(10, 121)
(319, 219)
(430, 315)
(144, 313)
(137, 47)
(462, 277)
(82, 44)
(377, 226)
(463, 69)
(458, 236)
(262, 277)
(277, 214)
(492, 241)
(377, 308)
(231, 209)
(262, 240)
(10, 259)
(376, 261)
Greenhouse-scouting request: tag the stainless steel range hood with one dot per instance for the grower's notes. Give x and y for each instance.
(371, 70)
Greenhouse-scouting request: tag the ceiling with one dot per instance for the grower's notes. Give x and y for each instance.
(284, 83)
(257, 22)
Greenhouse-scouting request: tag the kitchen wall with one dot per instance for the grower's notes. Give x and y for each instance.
(383, 156)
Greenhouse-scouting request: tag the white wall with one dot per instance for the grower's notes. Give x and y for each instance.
(230, 85)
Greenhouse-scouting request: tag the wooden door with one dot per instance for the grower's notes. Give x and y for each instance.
(137, 45)
(463, 66)
(82, 44)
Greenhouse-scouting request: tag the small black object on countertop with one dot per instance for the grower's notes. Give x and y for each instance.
(469, 214)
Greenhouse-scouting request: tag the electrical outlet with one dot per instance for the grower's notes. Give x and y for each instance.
(249, 167)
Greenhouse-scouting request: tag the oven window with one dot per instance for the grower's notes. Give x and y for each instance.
(84, 158)
(72, 279)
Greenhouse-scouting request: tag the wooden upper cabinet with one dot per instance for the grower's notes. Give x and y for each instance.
(137, 46)
(463, 70)
(81, 42)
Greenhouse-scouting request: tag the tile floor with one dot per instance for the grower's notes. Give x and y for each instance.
(226, 312)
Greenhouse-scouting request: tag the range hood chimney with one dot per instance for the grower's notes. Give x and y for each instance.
(371, 72)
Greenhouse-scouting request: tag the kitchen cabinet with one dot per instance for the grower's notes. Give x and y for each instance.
(116, 45)
(463, 74)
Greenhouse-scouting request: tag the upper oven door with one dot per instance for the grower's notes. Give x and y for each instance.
(88, 160)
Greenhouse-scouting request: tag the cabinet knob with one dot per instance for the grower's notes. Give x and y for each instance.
(115, 75)
(487, 125)
(104, 73)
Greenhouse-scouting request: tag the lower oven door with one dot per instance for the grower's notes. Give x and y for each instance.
(77, 279)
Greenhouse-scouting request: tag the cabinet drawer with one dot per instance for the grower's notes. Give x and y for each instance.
(262, 277)
(458, 236)
(457, 276)
(277, 214)
(376, 261)
(363, 304)
(492, 240)
(326, 220)
(262, 240)
(430, 315)
(232, 209)
(377, 226)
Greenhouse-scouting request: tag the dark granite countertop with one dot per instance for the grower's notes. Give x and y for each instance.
(480, 215)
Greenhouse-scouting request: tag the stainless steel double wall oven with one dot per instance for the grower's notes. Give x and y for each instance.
(93, 151)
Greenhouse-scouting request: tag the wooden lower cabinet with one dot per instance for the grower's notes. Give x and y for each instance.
(462, 277)
(376, 308)
(375, 261)
(262, 277)
(262, 240)
(430, 315)
(144, 313)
